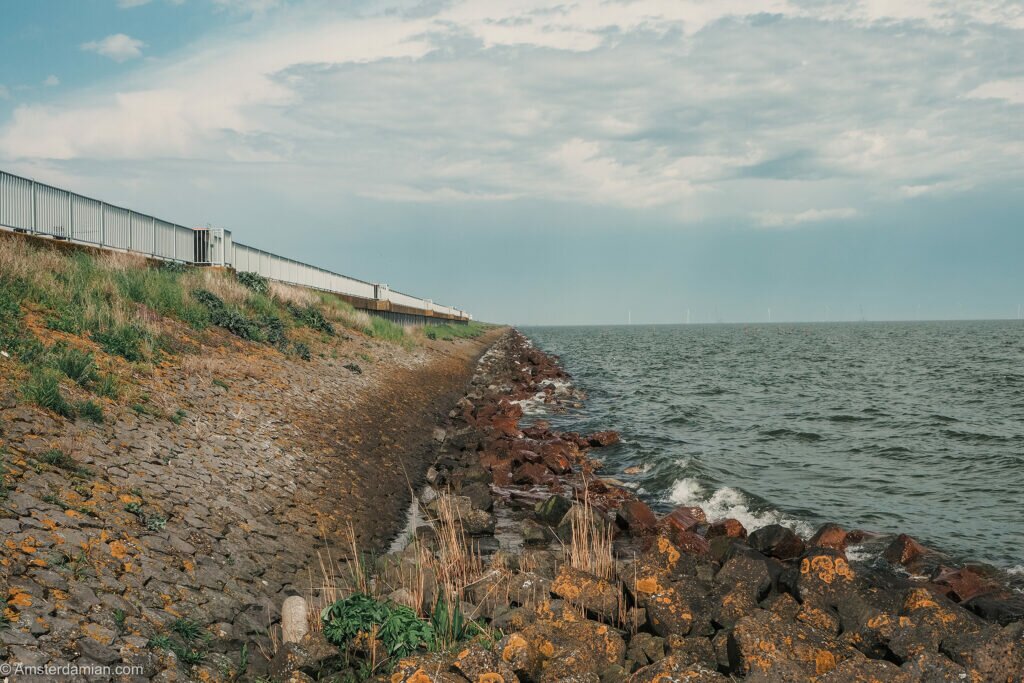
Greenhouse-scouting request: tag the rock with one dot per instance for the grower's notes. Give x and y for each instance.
(637, 517)
(478, 523)
(777, 541)
(674, 668)
(764, 643)
(427, 668)
(644, 649)
(903, 550)
(692, 650)
(961, 584)
(668, 610)
(866, 671)
(820, 617)
(439, 434)
(575, 647)
(1002, 608)
(729, 528)
(931, 666)
(684, 518)
(294, 619)
(926, 620)
(745, 572)
(825, 577)
(993, 653)
(512, 619)
(689, 542)
(829, 536)
(535, 534)
(553, 509)
(601, 439)
(596, 595)
(479, 495)
(479, 664)
(532, 474)
(307, 656)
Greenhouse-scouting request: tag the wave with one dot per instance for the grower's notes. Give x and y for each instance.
(784, 433)
(728, 502)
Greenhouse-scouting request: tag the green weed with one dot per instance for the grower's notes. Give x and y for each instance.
(78, 366)
(43, 389)
(126, 341)
(89, 410)
(253, 281)
(397, 627)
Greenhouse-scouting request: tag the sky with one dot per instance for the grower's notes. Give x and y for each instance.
(573, 162)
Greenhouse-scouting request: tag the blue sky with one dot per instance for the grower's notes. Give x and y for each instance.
(571, 162)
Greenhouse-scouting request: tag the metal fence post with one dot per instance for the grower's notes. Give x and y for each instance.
(71, 217)
(153, 218)
(34, 211)
(131, 226)
(103, 224)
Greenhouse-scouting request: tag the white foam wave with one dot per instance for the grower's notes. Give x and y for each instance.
(1016, 571)
(729, 502)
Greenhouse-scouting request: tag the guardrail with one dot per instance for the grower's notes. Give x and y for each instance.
(33, 207)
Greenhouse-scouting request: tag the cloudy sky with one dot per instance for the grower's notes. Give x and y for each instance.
(557, 162)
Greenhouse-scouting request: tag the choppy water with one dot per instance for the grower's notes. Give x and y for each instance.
(890, 427)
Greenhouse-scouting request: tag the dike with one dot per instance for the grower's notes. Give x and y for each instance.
(563, 575)
(172, 468)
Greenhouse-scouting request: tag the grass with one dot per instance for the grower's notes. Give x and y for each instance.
(61, 460)
(43, 389)
(78, 366)
(448, 332)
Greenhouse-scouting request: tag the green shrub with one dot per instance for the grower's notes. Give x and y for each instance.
(399, 630)
(381, 328)
(301, 350)
(126, 341)
(43, 389)
(312, 317)
(228, 317)
(89, 410)
(78, 366)
(253, 281)
(108, 386)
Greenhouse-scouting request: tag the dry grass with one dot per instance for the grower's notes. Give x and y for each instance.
(23, 261)
(220, 282)
(291, 294)
(590, 545)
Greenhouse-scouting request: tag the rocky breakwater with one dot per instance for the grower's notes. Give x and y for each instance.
(581, 581)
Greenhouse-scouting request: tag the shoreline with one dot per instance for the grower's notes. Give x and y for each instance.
(687, 598)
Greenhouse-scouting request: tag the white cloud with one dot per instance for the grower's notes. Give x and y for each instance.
(1011, 90)
(698, 109)
(774, 219)
(51, 81)
(119, 47)
(4, 93)
(127, 4)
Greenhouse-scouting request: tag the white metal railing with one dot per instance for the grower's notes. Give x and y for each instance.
(33, 207)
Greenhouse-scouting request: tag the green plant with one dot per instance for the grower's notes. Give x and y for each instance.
(301, 350)
(4, 622)
(43, 389)
(178, 415)
(220, 383)
(187, 629)
(312, 317)
(78, 366)
(90, 411)
(382, 328)
(189, 645)
(397, 627)
(156, 522)
(119, 620)
(253, 281)
(108, 386)
(228, 317)
(126, 341)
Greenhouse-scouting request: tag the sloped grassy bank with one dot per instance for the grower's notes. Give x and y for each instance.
(532, 567)
(176, 446)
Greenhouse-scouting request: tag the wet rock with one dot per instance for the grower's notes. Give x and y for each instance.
(689, 542)
(961, 584)
(637, 517)
(764, 643)
(776, 541)
(729, 528)
(925, 620)
(684, 518)
(903, 550)
(1001, 608)
(829, 536)
(601, 439)
(532, 474)
(552, 510)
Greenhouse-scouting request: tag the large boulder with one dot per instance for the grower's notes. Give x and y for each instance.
(550, 643)
(552, 509)
(829, 536)
(673, 668)
(825, 577)
(776, 541)
(479, 664)
(926, 620)
(729, 528)
(637, 517)
(991, 653)
(764, 643)
(598, 596)
(903, 550)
